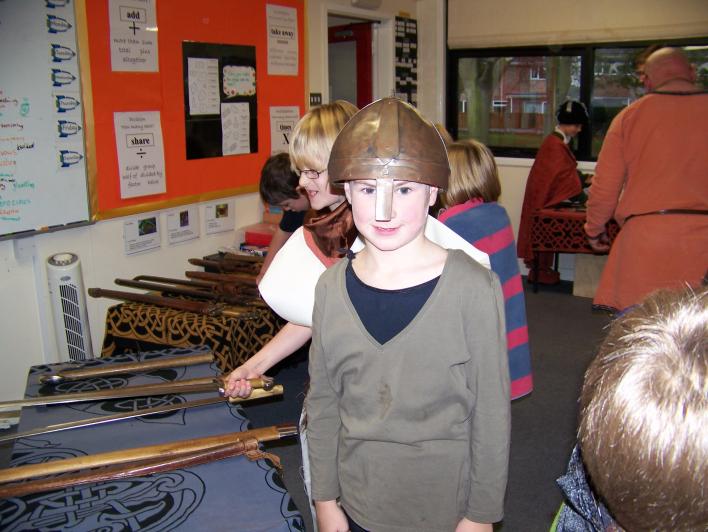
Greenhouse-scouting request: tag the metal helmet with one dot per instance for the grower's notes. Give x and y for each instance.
(389, 140)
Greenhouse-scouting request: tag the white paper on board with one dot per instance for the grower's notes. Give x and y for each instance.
(133, 35)
(141, 157)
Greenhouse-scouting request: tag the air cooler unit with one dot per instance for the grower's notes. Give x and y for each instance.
(68, 301)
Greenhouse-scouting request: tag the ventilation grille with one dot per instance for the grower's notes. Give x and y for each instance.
(72, 321)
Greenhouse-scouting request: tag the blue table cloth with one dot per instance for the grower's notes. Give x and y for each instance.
(235, 494)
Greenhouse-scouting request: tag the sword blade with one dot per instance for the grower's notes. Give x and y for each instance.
(125, 367)
(203, 384)
(58, 427)
(100, 420)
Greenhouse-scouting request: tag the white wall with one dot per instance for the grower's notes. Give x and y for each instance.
(486, 23)
(26, 327)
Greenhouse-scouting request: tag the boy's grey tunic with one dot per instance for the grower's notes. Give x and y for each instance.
(412, 435)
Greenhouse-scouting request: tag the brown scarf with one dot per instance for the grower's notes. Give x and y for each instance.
(333, 232)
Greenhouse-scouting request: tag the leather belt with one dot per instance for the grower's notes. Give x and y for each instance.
(667, 211)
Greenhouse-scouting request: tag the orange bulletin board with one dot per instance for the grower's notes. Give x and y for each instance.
(233, 22)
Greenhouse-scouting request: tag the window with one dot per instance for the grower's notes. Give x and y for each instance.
(538, 73)
(507, 98)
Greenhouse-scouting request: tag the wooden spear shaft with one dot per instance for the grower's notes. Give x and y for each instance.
(198, 307)
(228, 298)
(169, 280)
(124, 456)
(121, 368)
(239, 278)
(123, 471)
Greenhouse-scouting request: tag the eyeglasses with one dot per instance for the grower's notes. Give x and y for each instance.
(312, 174)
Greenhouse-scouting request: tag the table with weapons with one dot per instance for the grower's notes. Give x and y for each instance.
(142, 442)
(220, 308)
(144, 439)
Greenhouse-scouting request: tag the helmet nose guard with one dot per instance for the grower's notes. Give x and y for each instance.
(389, 140)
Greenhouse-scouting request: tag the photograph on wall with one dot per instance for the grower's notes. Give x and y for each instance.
(182, 224)
(219, 99)
(219, 216)
(141, 233)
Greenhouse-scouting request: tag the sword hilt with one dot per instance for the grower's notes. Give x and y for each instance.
(259, 383)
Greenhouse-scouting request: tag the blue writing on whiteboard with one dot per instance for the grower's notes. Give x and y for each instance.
(65, 103)
(61, 53)
(67, 128)
(56, 3)
(61, 77)
(69, 158)
(57, 24)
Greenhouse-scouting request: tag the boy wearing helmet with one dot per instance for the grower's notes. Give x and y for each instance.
(408, 407)
(554, 178)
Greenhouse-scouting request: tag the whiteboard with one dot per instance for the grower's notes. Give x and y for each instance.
(43, 180)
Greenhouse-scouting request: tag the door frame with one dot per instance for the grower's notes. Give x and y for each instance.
(382, 48)
(360, 33)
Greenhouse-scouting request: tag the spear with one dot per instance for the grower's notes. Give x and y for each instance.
(229, 278)
(206, 308)
(121, 368)
(228, 266)
(229, 299)
(197, 385)
(246, 287)
(149, 459)
(206, 285)
(240, 257)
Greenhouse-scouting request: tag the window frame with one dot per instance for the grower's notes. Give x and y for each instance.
(586, 51)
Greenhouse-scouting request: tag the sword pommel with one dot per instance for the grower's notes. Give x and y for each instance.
(264, 382)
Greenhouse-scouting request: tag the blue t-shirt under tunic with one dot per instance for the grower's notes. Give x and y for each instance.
(291, 221)
(385, 313)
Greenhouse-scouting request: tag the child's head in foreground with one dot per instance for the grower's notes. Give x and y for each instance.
(473, 174)
(644, 415)
(279, 184)
(392, 161)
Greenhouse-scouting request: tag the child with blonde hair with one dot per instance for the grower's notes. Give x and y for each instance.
(641, 462)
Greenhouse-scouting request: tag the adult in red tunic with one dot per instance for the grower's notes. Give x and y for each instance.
(554, 178)
(652, 178)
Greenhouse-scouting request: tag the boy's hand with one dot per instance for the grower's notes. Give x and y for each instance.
(330, 517)
(470, 526)
(236, 384)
